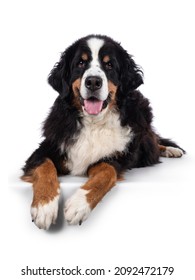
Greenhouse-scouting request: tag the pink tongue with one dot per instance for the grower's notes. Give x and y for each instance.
(93, 107)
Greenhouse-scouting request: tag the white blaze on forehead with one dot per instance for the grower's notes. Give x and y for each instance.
(95, 45)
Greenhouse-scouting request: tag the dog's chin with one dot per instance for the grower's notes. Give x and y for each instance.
(94, 106)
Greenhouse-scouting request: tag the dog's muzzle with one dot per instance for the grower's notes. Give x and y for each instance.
(94, 90)
(93, 103)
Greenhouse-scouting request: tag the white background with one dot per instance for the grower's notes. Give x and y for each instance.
(147, 220)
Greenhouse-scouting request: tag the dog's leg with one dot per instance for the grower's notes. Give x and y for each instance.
(168, 151)
(102, 177)
(44, 208)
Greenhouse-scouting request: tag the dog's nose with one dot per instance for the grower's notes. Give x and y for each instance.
(93, 83)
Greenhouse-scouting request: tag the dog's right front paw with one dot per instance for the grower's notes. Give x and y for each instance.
(43, 215)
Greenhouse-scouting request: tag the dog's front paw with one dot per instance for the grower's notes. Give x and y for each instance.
(77, 209)
(43, 215)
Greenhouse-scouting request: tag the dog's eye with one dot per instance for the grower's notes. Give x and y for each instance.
(82, 63)
(108, 65)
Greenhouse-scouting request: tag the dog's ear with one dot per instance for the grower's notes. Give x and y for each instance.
(132, 75)
(60, 75)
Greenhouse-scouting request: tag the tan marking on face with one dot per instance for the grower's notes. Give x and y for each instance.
(76, 86)
(106, 58)
(112, 89)
(84, 56)
(76, 89)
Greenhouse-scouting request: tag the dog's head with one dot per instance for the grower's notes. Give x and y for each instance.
(93, 72)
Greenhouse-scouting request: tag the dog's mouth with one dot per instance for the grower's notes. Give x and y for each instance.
(93, 105)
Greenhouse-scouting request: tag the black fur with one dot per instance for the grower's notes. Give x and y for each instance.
(65, 120)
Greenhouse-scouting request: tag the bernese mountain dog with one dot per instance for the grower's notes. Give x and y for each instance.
(99, 126)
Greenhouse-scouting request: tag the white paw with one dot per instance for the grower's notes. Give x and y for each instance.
(77, 209)
(172, 152)
(45, 215)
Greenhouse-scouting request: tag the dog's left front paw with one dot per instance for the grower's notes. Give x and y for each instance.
(77, 209)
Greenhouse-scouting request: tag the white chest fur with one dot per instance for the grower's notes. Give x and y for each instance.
(100, 137)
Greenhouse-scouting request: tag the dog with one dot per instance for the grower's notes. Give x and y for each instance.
(99, 126)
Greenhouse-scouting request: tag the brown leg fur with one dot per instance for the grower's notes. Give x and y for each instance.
(102, 178)
(45, 183)
(44, 206)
